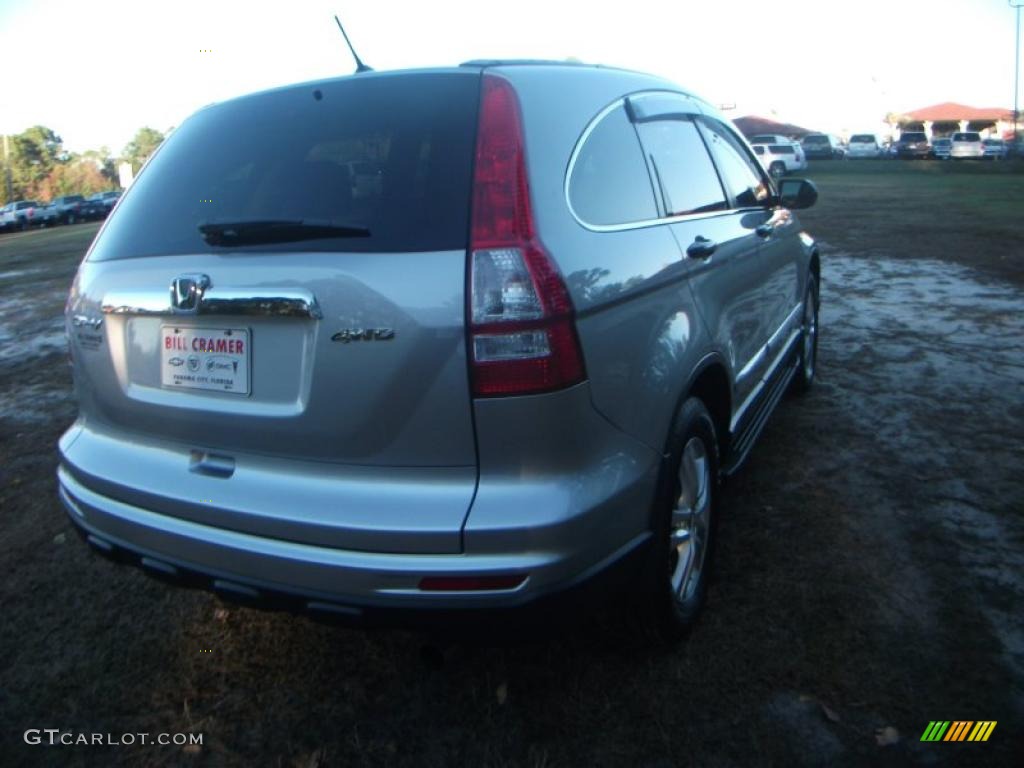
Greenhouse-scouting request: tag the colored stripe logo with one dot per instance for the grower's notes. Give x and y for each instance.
(958, 730)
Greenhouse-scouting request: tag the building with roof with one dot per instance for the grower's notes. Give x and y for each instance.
(949, 117)
(752, 125)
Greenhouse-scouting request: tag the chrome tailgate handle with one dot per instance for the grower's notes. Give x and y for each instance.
(284, 303)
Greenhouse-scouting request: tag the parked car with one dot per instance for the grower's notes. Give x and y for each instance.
(513, 372)
(913, 145)
(864, 145)
(93, 207)
(994, 149)
(941, 148)
(5, 217)
(966, 144)
(822, 145)
(69, 208)
(780, 159)
(45, 215)
(18, 215)
(109, 198)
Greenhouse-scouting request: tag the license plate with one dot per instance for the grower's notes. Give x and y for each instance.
(205, 358)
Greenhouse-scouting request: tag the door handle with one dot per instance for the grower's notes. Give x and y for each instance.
(701, 248)
(764, 230)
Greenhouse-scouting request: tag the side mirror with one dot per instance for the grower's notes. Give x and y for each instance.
(797, 193)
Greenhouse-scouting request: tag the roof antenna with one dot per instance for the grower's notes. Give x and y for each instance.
(360, 67)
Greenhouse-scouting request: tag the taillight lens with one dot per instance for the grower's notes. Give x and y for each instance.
(522, 334)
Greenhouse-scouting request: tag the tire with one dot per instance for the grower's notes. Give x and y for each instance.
(684, 523)
(808, 357)
(777, 170)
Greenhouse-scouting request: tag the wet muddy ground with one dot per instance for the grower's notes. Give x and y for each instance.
(869, 580)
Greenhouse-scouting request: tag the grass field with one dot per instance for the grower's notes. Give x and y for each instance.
(968, 212)
(870, 564)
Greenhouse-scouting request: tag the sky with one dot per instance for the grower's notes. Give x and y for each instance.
(95, 72)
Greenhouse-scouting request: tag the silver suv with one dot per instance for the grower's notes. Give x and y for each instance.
(511, 364)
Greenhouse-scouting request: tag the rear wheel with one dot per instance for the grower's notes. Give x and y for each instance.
(684, 523)
(777, 170)
(808, 361)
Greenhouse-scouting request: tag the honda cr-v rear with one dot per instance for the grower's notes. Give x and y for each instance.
(366, 347)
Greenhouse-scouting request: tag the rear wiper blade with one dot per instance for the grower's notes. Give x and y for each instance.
(259, 232)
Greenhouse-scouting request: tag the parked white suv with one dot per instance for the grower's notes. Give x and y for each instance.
(966, 144)
(780, 159)
(864, 145)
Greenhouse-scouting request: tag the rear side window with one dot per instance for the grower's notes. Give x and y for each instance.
(609, 182)
(740, 172)
(387, 154)
(783, 149)
(681, 167)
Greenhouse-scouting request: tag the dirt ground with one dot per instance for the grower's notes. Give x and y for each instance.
(870, 569)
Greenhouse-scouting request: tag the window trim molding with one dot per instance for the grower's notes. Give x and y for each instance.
(645, 223)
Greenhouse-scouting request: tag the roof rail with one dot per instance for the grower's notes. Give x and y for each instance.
(525, 62)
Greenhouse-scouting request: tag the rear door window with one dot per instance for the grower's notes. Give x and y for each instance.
(609, 183)
(382, 163)
(681, 166)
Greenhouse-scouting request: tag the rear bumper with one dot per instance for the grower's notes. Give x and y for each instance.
(349, 588)
(566, 508)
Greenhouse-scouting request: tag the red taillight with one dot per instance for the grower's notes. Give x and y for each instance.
(522, 335)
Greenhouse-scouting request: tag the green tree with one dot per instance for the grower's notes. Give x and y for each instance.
(142, 146)
(33, 154)
(104, 161)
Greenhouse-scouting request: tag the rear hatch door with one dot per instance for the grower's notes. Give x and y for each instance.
(282, 290)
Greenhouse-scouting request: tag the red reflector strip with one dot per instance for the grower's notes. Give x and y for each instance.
(470, 583)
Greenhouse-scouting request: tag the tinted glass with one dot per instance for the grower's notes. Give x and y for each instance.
(862, 138)
(682, 166)
(739, 171)
(816, 140)
(764, 138)
(610, 183)
(391, 154)
(783, 149)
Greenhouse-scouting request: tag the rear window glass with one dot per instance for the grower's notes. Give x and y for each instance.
(862, 138)
(609, 183)
(966, 137)
(816, 139)
(387, 154)
(682, 167)
(908, 137)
